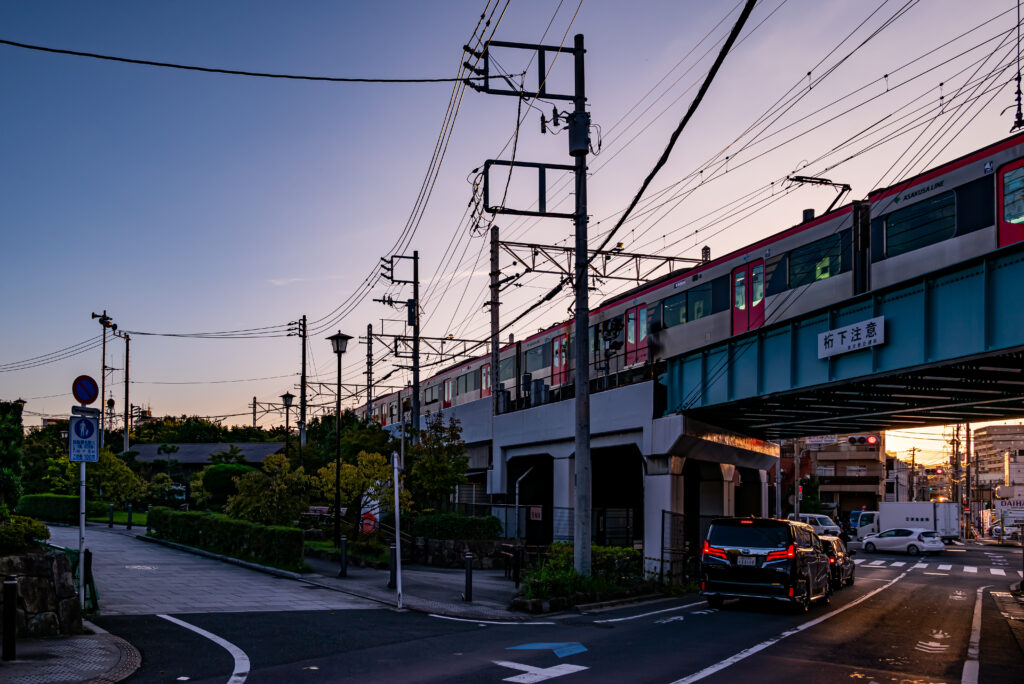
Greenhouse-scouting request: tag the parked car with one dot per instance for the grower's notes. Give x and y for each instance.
(840, 560)
(912, 540)
(822, 524)
(1005, 532)
(781, 560)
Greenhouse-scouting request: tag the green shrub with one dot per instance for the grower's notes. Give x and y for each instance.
(280, 547)
(455, 526)
(58, 508)
(19, 533)
(612, 568)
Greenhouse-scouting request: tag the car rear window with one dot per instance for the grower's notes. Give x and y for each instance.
(928, 534)
(760, 537)
(822, 520)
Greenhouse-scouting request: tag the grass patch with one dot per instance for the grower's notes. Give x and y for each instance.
(120, 518)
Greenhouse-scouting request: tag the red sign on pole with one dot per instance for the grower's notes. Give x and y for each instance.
(85, 389)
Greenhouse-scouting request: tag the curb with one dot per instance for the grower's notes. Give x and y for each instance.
(617, 603)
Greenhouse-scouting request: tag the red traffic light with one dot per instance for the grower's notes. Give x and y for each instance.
(863, 440)
(938, 471)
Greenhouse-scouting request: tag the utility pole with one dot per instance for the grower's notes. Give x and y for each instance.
(302, 389)
(579, 145)
(967, 484)
(796, 480)
(414, 315)
(913, 473)
(105, 322)
(495, 330)
(954, 487)
(369, 371)
(127, 383)
(413, 321)
(254, 411)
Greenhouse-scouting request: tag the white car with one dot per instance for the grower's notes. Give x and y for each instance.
(822, 524)
(912, 540)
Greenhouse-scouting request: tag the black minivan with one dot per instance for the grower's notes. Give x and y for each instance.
(764, 558)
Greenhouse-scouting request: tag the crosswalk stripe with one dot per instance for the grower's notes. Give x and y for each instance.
(877, 563)
(897, 564)
(997, 571)
(921, 565)
(1021, 573)
(858, 561)
(945, 567)
(970, 568)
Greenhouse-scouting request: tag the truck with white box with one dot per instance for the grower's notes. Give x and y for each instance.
(941, 517)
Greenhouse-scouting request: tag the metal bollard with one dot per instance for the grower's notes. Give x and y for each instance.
(392, 582)
(129, 517)
(468, 596)
(343, 570)
(517, 565)
(10, 624)
(110, 523)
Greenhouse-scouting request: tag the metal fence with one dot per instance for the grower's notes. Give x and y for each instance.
(609, 526)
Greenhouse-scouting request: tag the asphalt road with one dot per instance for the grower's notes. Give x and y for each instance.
(901, 621)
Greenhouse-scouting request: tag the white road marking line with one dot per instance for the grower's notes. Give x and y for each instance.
(941, 567)
(921, 565)
(970, 674)
(877, 563)
(896, 564)
(940, 574)
(712, 669)
(241, 670)
(654, 612)
(537, 674)
(997, 571)
(858, 561)
(970, 568)
(487, 622)
(1019, 572)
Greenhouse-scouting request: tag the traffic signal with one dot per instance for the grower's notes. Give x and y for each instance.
(863, 440)
(938, 471)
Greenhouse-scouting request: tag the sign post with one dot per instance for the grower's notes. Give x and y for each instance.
(83, 447)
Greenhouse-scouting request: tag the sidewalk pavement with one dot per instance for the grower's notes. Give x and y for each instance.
(99, 657)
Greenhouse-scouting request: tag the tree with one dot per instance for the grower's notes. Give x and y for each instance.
(437, 464)
(12, 438)
(216, 483)
(160, 490)
(273, 496)
(110, 479)
(45, 465)
(232, 455)
(368, 480)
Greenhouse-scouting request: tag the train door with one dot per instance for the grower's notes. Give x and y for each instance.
(485, 381)
(1011, 203)
(748, 297)
(636, 335)
(446, 401)
(559, 360)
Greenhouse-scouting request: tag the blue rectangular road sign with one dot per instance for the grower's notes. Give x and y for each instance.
(84, 439)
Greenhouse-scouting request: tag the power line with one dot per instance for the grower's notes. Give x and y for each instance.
(233, 72)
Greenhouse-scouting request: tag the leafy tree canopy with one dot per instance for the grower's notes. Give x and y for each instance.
(437, 464)
(273, 496)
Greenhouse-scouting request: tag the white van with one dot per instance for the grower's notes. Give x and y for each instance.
(822, 524)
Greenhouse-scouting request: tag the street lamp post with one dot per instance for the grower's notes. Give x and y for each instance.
(287, 399)
(339, 342)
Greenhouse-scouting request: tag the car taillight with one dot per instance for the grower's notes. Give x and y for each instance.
(920, 537)
(710, 550)
(781, 555)
(702, 586)
(791, 592)
(831, 559)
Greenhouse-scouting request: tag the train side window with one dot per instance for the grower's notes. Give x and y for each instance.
(757, 285)
(739, 290)
(533, 359)
(698, 300)
(430, 395)
(818, 260)
(673, 310)
(921, 224)
(507, 369)
(1013, 195)
(776, 270)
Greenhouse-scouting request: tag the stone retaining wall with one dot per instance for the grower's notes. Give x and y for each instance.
(47, 600)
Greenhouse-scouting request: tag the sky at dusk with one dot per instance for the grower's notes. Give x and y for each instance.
(187, 202)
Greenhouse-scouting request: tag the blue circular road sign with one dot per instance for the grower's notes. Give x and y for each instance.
(85, 389)
(84, 429)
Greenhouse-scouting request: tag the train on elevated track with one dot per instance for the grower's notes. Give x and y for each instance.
(965, 208)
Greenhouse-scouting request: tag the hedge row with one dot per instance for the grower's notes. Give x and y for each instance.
(455, 526)
(58, 508)
(280, 547)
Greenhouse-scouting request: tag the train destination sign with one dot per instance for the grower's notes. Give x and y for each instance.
(861, 335)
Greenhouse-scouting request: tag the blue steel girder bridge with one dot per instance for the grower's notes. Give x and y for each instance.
(953, 351)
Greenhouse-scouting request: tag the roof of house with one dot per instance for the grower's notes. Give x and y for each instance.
(254, 452)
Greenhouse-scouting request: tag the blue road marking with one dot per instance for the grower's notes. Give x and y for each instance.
(561, 650)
